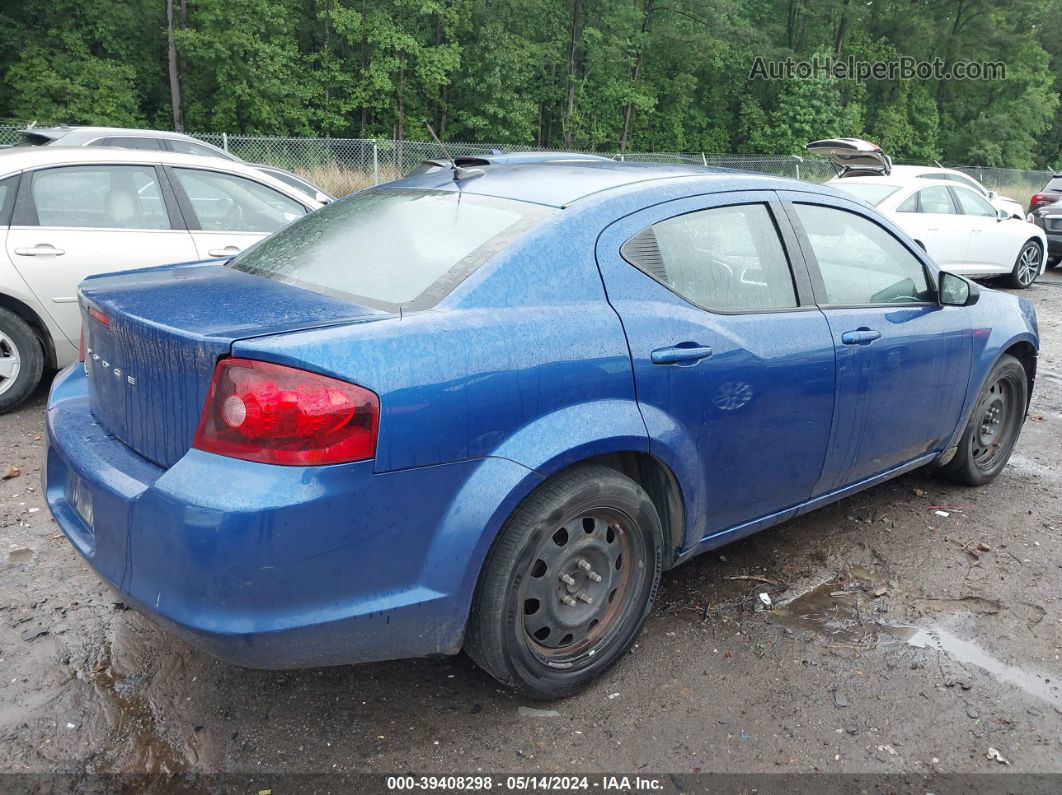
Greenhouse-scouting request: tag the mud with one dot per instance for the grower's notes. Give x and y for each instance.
(898, 640)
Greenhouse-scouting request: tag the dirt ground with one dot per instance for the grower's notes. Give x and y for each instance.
(914, 627)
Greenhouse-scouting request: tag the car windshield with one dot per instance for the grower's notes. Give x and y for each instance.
(392, 247)
(873, 194)
(1055, 184)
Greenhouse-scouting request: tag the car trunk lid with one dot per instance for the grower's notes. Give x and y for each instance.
(853, 155)
(152, 339)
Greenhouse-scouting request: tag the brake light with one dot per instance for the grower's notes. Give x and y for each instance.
(1041, 198)
(98, 316)
(257, 411)
(81, 346)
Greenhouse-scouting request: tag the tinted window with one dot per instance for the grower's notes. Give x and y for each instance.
(102, 197)
(936, 200)
(392, 246)
(224, 202)
(973, 204)
(1054, 184)
(128, 142)
(189, 148)
(727, 258)
(870, 193)
(859, 261)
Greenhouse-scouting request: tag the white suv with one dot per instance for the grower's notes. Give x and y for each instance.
(67, 213)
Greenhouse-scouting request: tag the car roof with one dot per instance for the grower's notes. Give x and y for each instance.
(561, 183)
(60, 131)
(22, 158)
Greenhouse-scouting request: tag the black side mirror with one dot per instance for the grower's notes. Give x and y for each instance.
(954, 290)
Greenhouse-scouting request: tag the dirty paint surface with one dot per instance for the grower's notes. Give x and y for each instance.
(898, 640)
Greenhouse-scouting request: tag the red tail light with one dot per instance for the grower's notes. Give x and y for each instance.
(272, 414)
(1041, 198)
(98, 316)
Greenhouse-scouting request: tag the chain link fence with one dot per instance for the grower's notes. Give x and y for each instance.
(341, 165)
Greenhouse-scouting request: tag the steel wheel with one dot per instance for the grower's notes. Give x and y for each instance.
(1027, 268)
(568, 583)
(996, 419)
(10, 362)
(578, 589)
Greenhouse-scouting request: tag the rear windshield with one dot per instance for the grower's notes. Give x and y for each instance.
(391, 247)
(1054, 184)
(870, 193)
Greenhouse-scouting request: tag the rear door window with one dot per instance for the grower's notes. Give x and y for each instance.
(392, 247)
(727, 259)
(99, 197)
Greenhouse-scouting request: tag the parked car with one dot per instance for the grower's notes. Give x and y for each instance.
(156, 141)
(853, 157)
(489, 413)
(127, 138)
(498, 158)
(66, 213)
(1050, 194)
(1049, 218)
(959, 228)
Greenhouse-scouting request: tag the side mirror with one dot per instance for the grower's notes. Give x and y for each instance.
(954, 290)
(1002, 215)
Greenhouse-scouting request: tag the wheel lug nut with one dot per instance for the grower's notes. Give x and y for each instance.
(569, 601)
(567, 579)
(594, 576)
(584, 597)
(584, 564)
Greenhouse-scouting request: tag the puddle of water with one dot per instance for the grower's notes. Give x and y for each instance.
(1035, 684)
(848, 618)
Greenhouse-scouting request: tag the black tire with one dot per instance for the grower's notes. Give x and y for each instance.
(586, 515)
(994, 425)
(20, 348)
(1027, 266)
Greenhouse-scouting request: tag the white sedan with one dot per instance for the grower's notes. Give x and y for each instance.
(69, 212)
(956, 226)
(854, 157)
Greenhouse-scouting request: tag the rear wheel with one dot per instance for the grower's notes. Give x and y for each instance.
(994, 425)
(1027, 266)
(21, 360)
(568, 584)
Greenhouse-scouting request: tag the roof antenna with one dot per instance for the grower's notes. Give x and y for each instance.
(460, 172)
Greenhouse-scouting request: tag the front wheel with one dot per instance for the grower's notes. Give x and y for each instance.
(568, 583)
(1027, 266)
(994, 425)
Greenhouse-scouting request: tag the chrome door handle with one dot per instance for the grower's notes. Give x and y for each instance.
(861, 336)
(680, 354)
(40, 250)
(228, 251)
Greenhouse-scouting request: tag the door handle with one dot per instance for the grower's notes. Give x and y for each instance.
(228, 251)
(40, 250)
(861, 336)
(685, 354)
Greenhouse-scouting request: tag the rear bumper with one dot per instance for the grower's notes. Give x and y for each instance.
(278, 567)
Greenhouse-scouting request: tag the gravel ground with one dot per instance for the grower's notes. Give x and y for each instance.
(905, 642)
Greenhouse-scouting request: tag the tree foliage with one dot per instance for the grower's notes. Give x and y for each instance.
(637, 75)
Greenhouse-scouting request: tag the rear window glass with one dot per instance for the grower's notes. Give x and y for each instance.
(395, 247)
(873, 194)
(1054, 184)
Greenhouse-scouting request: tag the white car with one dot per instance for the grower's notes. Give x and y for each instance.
(956, 226)
(855, 157)
(67, 213)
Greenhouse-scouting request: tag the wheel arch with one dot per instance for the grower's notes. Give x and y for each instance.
(35, 322)
(1025, 352)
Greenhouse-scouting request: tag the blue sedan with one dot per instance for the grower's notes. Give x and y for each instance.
(485, 409)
